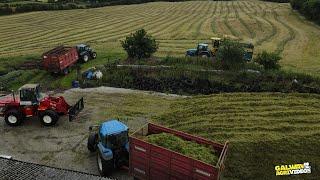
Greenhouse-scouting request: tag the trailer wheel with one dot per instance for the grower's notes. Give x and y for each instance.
(65, 71)
(94, 55)
(49, 118)
(205, 55)
(104, 167)
(92, 142)
(85, 58)
(13, 117)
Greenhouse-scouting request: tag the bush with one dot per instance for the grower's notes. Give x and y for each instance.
(139, 45)
(268, 60)
(230, 55)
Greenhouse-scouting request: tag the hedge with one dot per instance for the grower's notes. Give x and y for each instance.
(182, 81)
(309, 8)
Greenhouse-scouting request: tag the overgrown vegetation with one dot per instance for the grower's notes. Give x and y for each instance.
(185, 78)
(268, 60)
(188, 148)
(230, 55)
(139, 45)
(309, 8)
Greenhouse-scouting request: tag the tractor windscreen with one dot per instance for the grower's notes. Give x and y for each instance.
(117, 140)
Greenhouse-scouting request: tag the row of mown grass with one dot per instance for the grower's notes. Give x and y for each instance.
(177, 27)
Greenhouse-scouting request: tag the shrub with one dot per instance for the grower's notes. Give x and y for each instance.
(230, 55)
(139, 45)
(268, 60)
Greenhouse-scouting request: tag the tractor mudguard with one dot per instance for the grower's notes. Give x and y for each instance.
(105, 152)
(75, 109)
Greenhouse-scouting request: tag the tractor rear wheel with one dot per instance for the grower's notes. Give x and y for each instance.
(205, 55)
(92, 142)
(104, 167)
(49, 118)
(13, 117)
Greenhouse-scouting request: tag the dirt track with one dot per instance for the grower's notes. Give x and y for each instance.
(64, 145)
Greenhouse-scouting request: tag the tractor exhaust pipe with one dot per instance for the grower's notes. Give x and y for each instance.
(13, 95)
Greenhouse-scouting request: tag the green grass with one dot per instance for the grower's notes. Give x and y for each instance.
(188, 148)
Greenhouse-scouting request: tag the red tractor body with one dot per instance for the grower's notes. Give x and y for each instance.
(29, 103)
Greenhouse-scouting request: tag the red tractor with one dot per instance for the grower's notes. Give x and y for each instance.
(30, 103)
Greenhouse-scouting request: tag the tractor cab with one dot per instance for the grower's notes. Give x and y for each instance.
(216, 42)
(112, 145)
(86, 52)
(201, 50)
(30, 94)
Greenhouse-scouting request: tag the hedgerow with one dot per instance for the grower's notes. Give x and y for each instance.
(309, 8)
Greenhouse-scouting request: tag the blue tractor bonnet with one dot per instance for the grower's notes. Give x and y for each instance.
(112, 127)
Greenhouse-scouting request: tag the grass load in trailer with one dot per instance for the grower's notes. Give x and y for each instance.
(149, 161)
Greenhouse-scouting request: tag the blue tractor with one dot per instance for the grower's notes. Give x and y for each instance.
(202, 50)
(111, 142)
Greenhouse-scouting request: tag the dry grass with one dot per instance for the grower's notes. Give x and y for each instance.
(176, 25)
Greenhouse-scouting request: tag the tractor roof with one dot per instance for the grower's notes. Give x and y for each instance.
(112, 127)
(29, 86)
(82, 45)
(216, 38)
(203, 44)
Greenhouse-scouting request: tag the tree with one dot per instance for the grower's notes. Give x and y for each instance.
(139, 45)
(231, 55)
(268, 60)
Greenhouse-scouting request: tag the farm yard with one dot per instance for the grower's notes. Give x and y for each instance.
(176, 25)
(264, 129)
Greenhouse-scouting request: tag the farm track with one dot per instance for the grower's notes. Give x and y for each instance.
(175, 25)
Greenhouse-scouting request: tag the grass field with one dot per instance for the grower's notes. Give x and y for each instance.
(176, 25)
(264, 129)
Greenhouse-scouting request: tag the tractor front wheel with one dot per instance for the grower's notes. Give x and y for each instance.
(92, 142)
(13, 117)
(85, 58)
(49, 118)
(104, 167)
(94, 55)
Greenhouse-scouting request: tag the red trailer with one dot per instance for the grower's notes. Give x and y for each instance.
(148, 161)
(60, 59)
